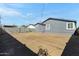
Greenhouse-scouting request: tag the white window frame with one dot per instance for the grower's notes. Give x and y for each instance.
(74, 27)
(47, 26)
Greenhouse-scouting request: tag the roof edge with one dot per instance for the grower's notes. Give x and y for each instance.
(59, 20)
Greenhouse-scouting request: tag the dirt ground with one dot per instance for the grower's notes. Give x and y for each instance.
(54, 43)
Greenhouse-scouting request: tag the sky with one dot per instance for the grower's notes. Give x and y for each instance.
(31, 13)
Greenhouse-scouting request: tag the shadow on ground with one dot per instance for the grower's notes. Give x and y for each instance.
(72, 47)
(9, 46)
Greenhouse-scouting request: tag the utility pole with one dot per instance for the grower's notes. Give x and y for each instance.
(42, 10)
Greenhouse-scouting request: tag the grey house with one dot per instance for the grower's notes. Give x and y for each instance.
(40, 27)
(55, 25)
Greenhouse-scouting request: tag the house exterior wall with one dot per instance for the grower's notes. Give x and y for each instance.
(58, 27)
(22, 29)
(40, 28)
(8, 29)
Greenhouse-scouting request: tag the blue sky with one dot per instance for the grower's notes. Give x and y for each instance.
(30, 13)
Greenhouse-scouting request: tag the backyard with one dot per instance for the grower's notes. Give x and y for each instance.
(53, 43)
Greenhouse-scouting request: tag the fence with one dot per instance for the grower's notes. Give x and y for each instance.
(20, 29)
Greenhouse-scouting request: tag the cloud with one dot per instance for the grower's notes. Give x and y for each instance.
(9, 12)
(17, 4)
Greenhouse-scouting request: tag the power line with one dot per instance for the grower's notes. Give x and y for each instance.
(42, 11)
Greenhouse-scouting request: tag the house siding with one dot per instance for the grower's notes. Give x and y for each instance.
(58, 27)
(40, 28)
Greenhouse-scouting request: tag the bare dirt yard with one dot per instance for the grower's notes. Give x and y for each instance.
(54, 43)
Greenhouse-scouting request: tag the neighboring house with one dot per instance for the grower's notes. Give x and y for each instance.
(22, 29)
(51, 25)
(10, 28)
(31, 28)
(40, 27)
(55, 25)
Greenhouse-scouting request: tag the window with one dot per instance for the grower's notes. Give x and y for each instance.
(70, 25)
(47, 26)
